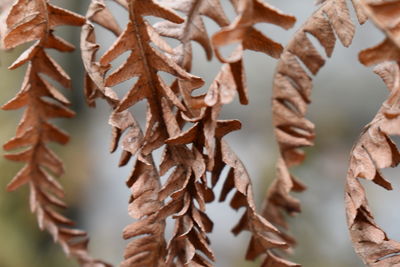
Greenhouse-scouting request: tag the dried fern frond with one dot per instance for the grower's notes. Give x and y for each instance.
(207, 133)
(147, 247)
(242, 32)
(184, 160)
(35, 20)
(291, 97)
(373, 152)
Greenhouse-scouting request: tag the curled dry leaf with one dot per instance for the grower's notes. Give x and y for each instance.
(291, 97)
(35, 20)
(374, 151)
(242, 31)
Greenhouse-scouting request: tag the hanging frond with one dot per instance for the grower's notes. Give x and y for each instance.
(147, 246)
(35, 20)
(291, 97)
(374, 151)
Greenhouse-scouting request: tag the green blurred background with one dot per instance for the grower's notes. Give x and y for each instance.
(346, 97)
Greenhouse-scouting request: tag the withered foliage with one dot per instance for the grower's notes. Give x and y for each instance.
(292, 90)
(186, 125)
(149, 249)
(191, 156)
(375, 149)
(35, 20)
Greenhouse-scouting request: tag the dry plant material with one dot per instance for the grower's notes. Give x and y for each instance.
(189, 155)
(386, 16)
(188, 128)
(374, 151)
(242, 31)
(147, 247)
(291, 97)
(207, 131)
(35, 20)
(193, 28)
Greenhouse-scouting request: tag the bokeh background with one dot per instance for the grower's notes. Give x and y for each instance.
(345, 98)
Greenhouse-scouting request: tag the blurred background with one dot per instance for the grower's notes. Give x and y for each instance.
(346, 97)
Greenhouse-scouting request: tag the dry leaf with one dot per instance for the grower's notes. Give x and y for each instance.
(27, 21)
(147, 246)
(375, 149)
(373, 152)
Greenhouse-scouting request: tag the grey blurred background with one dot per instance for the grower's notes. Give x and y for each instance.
(345, 98)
